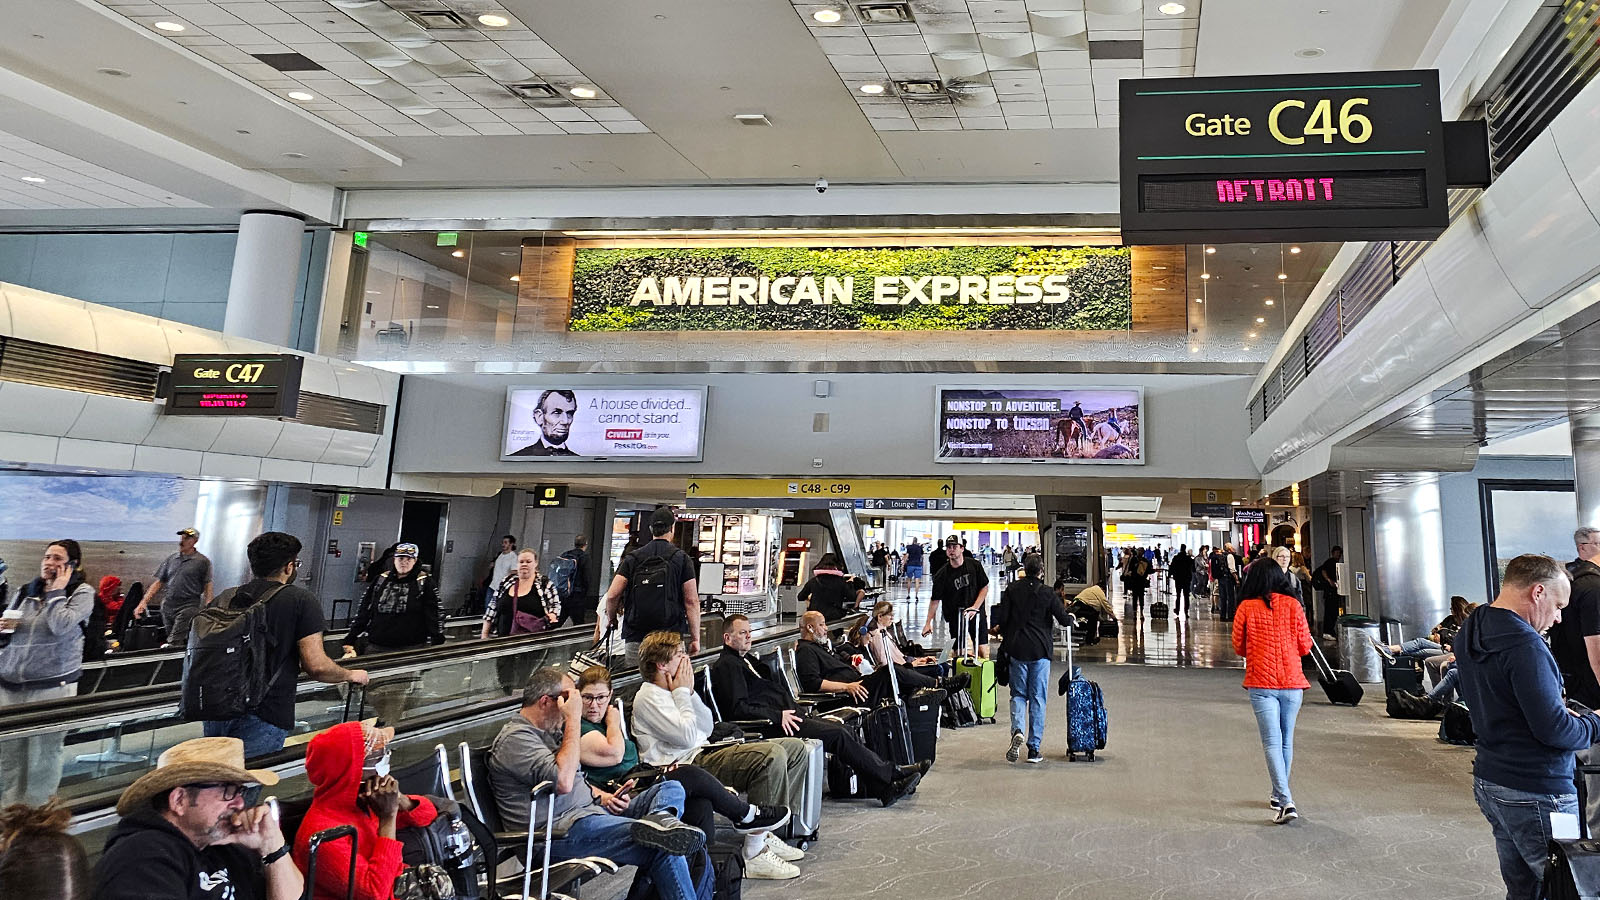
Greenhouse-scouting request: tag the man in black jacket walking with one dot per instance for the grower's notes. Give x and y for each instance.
(1181, 571)
(1022, 620)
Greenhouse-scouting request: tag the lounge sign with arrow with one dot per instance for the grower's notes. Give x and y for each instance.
(931, 494)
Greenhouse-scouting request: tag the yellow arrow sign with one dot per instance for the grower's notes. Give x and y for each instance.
(832, 488)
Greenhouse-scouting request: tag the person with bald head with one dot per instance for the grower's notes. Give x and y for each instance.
(820, 671)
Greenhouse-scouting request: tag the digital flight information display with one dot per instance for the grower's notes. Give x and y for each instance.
(1343, 190)
(235, 385)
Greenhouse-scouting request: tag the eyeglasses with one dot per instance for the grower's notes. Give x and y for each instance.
(251, 792)
(596, 698)
(561, 697)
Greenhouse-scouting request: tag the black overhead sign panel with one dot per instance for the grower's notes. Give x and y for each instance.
(235, 385)
(1336, 157)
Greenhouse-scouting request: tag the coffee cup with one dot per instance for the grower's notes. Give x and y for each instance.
(9, 620)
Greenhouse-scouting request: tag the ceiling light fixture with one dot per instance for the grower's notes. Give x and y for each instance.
(1294, 249)
(1309, 52)
(493, 21)
(1251, 334)
(33, 179)
(294, 154)
(459, 253)
(516, 278)
(1269, 301)
(1205, 276)
(1198, 300)
(584, 93)
(302, 96)
(1283, 276)
(872, 89)
(170, 26)
(1211, 249)
(1260, 320)
(115, 73)
(1172, 9)
(827, 16)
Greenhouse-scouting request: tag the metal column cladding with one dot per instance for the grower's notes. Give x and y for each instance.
(1329, 157)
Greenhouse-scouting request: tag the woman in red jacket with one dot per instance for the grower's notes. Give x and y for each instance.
(348, 766)
(1269, 631)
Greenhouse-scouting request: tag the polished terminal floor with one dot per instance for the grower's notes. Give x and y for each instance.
(1175, 807)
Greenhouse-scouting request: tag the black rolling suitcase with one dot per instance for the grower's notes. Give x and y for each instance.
(1340, 686)
(1572, 869)
(1159, 610)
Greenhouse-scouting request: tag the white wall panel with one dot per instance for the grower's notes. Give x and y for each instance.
(184, 432)
(31, 409)
(95, 455)
(28, 448)
(325, 473)
(48, 319)
(1473, 290)
(229, 465)
(317, 377)
(167, 459)
(121, 333)
(360, 383)
(304, 443)
(247, 435)
(289, 471)
(1540, 229)
(349, 448)
(113, 419)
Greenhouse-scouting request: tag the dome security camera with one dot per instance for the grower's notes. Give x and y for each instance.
(821, 185)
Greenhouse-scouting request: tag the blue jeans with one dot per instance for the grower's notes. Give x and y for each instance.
(1521, 825)
(612, 837)
(1029, 681)
(1420, 648)
(260, 738)
(1275, 714)
(1446, 685)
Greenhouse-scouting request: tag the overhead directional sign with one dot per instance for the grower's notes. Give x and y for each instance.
(1325, 157)
(235, 385)
(823, 493)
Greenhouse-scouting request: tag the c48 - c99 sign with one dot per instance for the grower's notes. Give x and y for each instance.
(1348, 156)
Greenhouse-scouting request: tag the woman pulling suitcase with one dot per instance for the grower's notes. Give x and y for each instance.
(1270, 632)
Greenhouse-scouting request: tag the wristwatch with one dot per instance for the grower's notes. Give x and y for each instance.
(275, 855)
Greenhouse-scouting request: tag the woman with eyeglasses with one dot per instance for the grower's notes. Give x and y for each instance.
(41, 658)
(525, 603)
(348, 767)
(610, 760)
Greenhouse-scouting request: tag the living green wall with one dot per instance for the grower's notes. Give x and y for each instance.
(1100, 288)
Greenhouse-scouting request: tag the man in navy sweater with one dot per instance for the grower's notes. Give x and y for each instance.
(1526, 734)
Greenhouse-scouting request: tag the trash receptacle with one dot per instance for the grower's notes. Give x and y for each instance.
(1356, 650)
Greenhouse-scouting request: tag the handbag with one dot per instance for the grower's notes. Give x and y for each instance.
(527, 623)
(597, 655)
(424, 882)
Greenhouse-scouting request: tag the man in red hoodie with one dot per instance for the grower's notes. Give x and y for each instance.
(348, 766)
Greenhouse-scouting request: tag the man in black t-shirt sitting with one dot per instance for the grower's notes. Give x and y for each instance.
(819, 670)
(648, 607)
(294, 617)
(189, 832)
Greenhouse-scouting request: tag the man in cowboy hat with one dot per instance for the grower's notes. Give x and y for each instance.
(188, 831)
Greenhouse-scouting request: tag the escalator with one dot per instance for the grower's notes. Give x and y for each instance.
(442, 695)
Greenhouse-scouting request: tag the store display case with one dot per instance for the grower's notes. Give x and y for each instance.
(741, 543)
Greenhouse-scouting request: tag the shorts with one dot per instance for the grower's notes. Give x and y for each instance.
(913, 571)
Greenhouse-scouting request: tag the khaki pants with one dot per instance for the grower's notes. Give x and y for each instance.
(770, 772)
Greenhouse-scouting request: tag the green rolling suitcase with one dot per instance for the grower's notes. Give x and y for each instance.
(982, 688)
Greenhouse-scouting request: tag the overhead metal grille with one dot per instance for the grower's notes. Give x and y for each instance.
(1558, 63)
(1272, 393)
(340, 413)
(1293, 370)
(48, 365)
(1324, 333)
(1368, 280)
(1256, 418)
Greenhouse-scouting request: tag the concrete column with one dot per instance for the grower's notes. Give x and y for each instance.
(1585, 429)
(266, 268)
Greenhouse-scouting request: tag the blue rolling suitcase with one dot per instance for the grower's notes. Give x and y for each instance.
(1086, 714)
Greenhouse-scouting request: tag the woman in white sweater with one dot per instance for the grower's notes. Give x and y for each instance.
(671, 725)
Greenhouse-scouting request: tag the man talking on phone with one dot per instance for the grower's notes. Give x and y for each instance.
(541, 743)
(190, 829)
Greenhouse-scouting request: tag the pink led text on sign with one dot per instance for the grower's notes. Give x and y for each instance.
(1274, 190)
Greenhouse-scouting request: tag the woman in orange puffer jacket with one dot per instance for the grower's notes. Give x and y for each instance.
(1269, 631)
(349, 773)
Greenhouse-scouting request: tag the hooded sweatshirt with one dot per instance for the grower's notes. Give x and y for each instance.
(47, 648)
(1509, 680)
(333, 765)
(148, 858)
(399, 611)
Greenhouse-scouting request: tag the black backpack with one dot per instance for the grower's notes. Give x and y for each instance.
(447, 843)
(654, 601)
(225, 667)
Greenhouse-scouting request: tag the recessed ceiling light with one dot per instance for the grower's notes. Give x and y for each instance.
(418, 110)
(1282, 277)
(508, 253)
(493, 21)
(516, 278)
(1211, 249)
(1159, 268)
(33, 179)
(872, 89)
(458, 253)
(1269, 301)
(1205, 276)
(1309, 52)
(1294, 249)
(115, 73)
(1260, 320)
(584, 93)
(827, 16)
(433, 306)
(170, 26)
(1172, 9)
(302, 96)
(1251, 334)
(294, 154)
(1198, 300)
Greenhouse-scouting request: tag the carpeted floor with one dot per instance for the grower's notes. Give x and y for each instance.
(1175, 807)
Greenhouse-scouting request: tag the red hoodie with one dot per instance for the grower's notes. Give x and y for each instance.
(333, 765)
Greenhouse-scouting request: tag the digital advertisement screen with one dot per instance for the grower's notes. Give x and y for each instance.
(1076, 425)
(557, 422)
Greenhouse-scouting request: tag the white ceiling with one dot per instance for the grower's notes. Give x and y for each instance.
(680, 70)
(33, 176)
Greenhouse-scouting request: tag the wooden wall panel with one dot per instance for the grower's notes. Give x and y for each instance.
(1160, 284)
(544, 295)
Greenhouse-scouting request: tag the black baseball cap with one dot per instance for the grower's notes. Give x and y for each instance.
(952, 541)
(663, 516)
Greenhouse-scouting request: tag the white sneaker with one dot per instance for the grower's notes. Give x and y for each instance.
(768, 866)
(782, 851)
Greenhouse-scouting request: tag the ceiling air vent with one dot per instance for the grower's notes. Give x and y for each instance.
(921, 89)
(884, 13)
(339, 412)
(437, 19)
(534, 90)
(288, 62)
(757, 119)
(48, 365)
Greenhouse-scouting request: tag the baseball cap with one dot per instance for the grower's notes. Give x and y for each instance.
(663, 516)
(188, 532)
(952, 541)
(406, 550)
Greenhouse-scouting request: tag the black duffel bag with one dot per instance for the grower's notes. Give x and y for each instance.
(1572, 871)
(1456, 726)
(1406, 705)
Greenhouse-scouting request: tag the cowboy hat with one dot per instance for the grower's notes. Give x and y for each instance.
(208, 760)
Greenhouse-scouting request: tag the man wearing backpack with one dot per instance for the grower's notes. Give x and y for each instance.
(655, 590)
(249, 646)
(569, 572)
